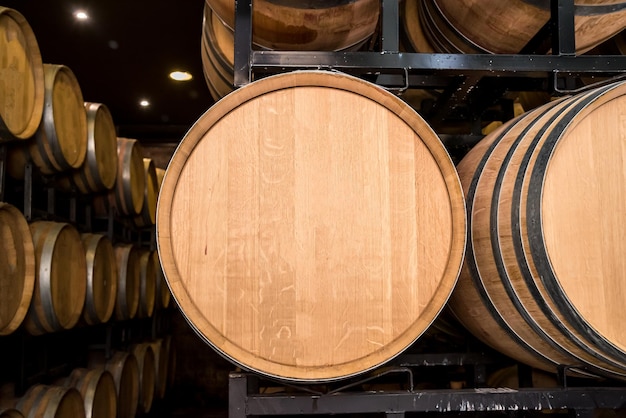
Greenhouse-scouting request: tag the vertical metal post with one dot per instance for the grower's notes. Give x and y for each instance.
(563, 33)
(28, 191)
(51, 201)
(73, 209)
(243, 42)
(390, 34)
(237, 395)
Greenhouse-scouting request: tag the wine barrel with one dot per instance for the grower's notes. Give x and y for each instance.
(125, 371)
(171, 363)
(102, 278)
(10, 413)
(329, 236)
(544, 265)
(494, 26)
(147, 375)
(17, 268)
(51, 401)
(163, 295)
(128, 194)
(21, 71)
(147, 216)
(60, 143)
(217, 53)
(129, 279)
(306, 25)
(97, 389)
(99, 170)
(148, 266)
(160, 349)
(60, 280)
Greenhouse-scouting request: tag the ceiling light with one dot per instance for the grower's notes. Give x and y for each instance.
(181, 75)
(81, 15)
(144, 103)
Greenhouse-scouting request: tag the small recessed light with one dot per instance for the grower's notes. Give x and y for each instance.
(144, 103)
(181, 75)
(81, 15)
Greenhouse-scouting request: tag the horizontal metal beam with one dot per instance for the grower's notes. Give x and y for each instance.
(494, 65)
(438, 400)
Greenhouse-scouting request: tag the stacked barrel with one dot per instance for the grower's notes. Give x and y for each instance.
(58, 274)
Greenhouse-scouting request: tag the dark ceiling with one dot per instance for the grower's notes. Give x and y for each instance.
(123, 53)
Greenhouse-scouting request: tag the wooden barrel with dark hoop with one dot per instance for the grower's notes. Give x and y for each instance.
(129, 279)
(97, 389)
(544, 265)
(494, 26)
(147, 375)
(52, 401)
(102, 278)
(17, 268)
(21, 69)
(351, 207)
(161, 352)
(60, 143)
(60, 280)
(99, 170)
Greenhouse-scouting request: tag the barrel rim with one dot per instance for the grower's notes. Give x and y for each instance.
(38, 73)
(357, 87)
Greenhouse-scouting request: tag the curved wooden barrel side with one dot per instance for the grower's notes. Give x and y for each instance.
(147, 217)
(22, 101)
(97, 389)
(99, 170)
(128, 193)
(10, 413)
(147, 375)
(160, 349)
(129, 279)
(248, 184)
(125, 371)
(52, 401)
(60, 143)
(506, 27)
(17, 268)
(102, 278)
(149, 263)
(336, 25)
(505, 177)
(61, 281)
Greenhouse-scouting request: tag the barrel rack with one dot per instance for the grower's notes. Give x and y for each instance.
(470, 84)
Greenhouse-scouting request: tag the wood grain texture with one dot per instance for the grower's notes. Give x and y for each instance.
(102, 278)
(51, 401)
(147, 375)
(539, 233)
(128, 194)
(148, 264)
(61, 281)
(311, 226)
(21, 77)
(506, 27)
(60, 143)
(99, 170)
(333, 26)
(124, 368)
(129, 276)
(97, 389)
(17, 268)
(147, 217)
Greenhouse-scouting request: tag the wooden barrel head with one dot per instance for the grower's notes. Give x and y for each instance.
(125, 371)
(21, 69)
(311, 226)
(17, 268)
(129, 280)
(102, 278)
